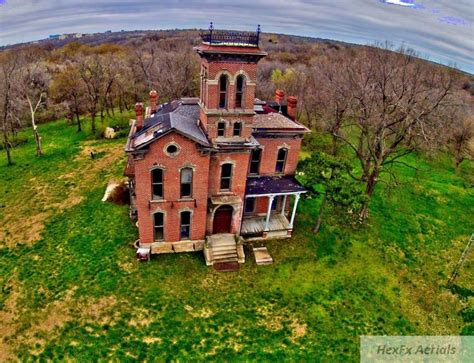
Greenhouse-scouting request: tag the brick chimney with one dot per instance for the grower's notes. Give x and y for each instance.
(279, 95)
(153, 101)
(139, 115)
(292, 101)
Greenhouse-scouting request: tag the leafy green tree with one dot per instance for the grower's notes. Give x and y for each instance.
(331, 177)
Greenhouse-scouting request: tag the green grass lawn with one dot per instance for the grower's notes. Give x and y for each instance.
(71, 288)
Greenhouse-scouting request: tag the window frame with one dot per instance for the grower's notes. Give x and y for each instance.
(153, 183)
(281, 161)
(254, 203)
(252, 161)
(221, 123)
(239, 129)
(239, 93)
(156, 226)
(188, 225)
(181, 195)
(223, 93)
(229, 178)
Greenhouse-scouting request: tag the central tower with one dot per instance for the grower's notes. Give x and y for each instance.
(228, 82)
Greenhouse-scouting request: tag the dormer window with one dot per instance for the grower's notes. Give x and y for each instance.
(237, 129)
(239, 91)
(221, 128)
(223, 85)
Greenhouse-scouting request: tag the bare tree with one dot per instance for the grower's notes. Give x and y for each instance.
(9, 65)
(67, 86)
(395, 103)
(33, 86)
(91, 72)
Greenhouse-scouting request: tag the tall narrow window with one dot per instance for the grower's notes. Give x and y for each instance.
(157, 184)
(237, 129)
(158, 226)
(239, 91)
(275, 203)
(221, 129)
(255, 161)
(226, 176)
(223, 84)
(186, 182)
(281, 160)
(249, 205)
(185, 226)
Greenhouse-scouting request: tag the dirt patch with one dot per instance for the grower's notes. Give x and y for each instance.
(298, 330)
(26, 218)
(152, 340)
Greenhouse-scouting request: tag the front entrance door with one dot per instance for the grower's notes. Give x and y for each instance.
(222, 219)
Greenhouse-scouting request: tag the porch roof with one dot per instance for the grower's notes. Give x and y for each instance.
(263, 185)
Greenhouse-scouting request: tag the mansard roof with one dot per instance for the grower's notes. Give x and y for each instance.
(181, 116)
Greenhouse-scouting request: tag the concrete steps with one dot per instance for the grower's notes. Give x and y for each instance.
(223, 248)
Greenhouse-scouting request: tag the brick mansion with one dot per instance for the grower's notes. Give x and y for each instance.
(208, 173)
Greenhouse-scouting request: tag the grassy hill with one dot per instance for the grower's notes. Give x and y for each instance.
(71, 288)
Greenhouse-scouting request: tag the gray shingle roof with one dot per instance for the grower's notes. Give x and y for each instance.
(176, 115)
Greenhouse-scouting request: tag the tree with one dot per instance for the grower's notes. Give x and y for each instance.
(461, 139)
(9, 65)
(334, 176)
(33, 86)
(67, 86)
(395, 104)
(91, 73)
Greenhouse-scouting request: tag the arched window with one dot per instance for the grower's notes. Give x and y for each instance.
(185, 225)
(223, 85)
(158, 226)
(239, 91)
(226, 176)
(157, 184)
(281, 160)
(237, 129)
(186, 182)
(221, 128)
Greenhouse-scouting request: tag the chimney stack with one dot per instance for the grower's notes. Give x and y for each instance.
(139, 115)
(292, 101)
(153, 101)
(279, 95)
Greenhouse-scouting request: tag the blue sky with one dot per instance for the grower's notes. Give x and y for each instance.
(440, 30)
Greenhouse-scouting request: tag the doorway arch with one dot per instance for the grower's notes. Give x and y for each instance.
(222, 222)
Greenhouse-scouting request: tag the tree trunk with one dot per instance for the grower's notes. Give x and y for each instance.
(7, 146)
(39, 152)
(369, 190)
(79, 128)
(93, 122)
(320, 216)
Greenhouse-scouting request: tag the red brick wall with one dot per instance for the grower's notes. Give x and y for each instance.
(270, 151)
(239, 173)
(171, 206)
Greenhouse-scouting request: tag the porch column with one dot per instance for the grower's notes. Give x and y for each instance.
(284, 205)
(297, 198)
(269, 210)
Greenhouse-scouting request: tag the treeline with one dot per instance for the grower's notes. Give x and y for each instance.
(379, 103)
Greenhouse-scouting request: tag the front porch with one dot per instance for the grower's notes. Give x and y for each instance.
(278, 225)
(277, 218)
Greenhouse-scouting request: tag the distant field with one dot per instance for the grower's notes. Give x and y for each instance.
(71, 288)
